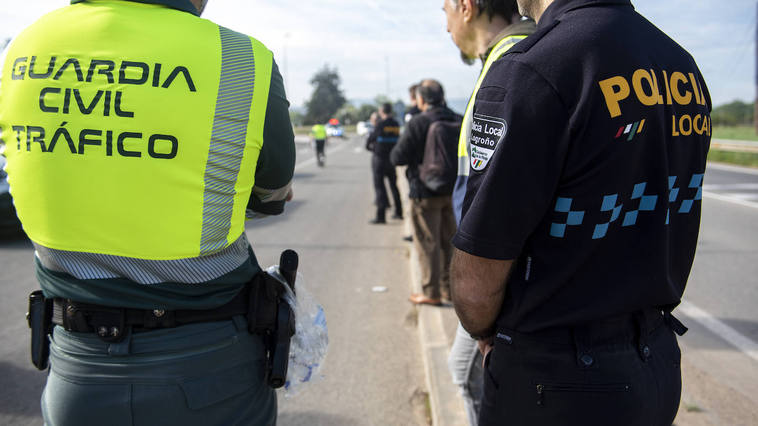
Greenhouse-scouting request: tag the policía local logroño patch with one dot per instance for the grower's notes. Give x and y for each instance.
(486, 133)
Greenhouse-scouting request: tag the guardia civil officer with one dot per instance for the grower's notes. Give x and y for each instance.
(380, 142)
(485, 29)
(318, 137)
(581, 218)
(150, 132)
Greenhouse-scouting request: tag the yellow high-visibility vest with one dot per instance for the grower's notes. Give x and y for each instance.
(133, 129)
(463, 140)
(318, 131)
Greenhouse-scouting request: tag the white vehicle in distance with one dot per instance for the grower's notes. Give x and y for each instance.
(363, 128)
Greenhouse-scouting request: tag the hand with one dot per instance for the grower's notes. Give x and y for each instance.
(485, 346)
(290, 194)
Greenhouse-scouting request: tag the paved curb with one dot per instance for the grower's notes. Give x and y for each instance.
(445, 400)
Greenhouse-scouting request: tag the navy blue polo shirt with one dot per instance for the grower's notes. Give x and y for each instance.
(587, 169)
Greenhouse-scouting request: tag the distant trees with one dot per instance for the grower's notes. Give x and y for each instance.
(736, 113)
(327, 97)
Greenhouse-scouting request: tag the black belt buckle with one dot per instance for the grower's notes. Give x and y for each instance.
(40, 320)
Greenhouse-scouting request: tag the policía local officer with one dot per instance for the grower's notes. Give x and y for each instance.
(381, 141)
(581, 218)
(136, 135)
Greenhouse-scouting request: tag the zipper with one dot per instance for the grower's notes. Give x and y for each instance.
(577, 387)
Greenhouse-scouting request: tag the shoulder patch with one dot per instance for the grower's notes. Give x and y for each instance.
(486, 134)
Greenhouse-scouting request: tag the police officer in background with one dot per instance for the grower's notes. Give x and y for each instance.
(147, 127)
(319, 136)
(381, 141)
(581, 218)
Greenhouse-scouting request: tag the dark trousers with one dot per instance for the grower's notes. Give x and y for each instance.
(381, 168)
(619, 372)
(433, 228)
(320, 146)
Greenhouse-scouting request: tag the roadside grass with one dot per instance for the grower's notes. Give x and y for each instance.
(749, 159)
(742, 133)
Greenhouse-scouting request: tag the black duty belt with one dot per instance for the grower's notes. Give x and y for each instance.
(110, 323)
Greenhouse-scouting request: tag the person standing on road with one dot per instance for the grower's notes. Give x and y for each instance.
(153, 132)
(381, 141)
(413, 110)
(485, 29)
(581, 218)
(319, 136)
(431, 213)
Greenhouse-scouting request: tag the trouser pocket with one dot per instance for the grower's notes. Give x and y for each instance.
(547, 390)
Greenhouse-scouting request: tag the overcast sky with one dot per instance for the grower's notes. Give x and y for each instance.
(380, 43)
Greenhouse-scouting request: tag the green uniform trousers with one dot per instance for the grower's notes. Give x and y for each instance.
(197, 374)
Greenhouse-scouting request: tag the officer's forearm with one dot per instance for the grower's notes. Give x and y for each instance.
(478, 289)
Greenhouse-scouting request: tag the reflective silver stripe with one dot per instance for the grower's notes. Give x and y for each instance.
(188, 271)
(235, 94)
(269, 195)
(463, 166)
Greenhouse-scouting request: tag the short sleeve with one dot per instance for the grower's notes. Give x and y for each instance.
(519, 143)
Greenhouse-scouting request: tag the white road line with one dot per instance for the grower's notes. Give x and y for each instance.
(744, 344)
(731, 199)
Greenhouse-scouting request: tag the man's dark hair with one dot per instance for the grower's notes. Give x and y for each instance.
(503, 8)
(413, 90)
(386, 108)
(431, 92)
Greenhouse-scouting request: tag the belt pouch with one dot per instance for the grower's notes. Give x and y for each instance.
(40, 319)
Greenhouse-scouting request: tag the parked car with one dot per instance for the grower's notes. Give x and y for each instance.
(363, 128)
(9, 224)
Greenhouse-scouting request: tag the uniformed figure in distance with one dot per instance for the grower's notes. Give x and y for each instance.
(483, 29)
(381, 141)
(318, 137)
(137, 135)
(581, 218)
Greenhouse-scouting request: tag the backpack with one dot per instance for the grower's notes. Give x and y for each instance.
(439, 168)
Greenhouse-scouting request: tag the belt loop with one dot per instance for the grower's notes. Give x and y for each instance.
(674, 324)
(583, 345)
(642, 334)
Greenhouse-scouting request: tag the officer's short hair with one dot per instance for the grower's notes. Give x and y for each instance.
(386, 108)
(503, 8)
(413, 90)
(431, 92)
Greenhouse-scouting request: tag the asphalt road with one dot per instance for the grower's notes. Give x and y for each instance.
(720, 354)
(372, 374)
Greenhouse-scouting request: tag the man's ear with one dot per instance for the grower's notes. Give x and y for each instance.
(469, 10)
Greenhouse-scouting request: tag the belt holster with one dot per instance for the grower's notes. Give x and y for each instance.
(40, 320)
(265, 292)
(271, 317)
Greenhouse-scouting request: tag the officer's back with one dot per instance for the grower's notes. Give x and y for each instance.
(630, 188)
(386, 135)
(136, 129)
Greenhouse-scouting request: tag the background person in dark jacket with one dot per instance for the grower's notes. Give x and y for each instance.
(431, 213)
(381, 141)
